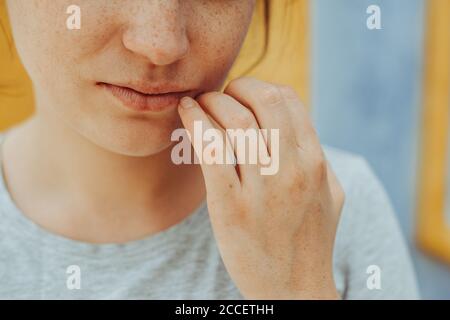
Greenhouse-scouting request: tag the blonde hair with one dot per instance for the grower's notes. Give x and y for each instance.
(277, 45)
(16, 93)
(4, 25)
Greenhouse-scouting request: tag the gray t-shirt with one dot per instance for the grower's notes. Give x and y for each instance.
(371, 260)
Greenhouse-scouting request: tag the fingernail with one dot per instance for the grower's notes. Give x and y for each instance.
(186, 103)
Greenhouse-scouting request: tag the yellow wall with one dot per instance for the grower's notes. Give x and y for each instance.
(285, 61)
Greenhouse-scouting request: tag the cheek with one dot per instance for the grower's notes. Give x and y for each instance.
(217, 38)
(36, 26)
(48, 49)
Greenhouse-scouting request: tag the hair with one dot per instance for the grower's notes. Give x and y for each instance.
(266, 39)
(4, 27)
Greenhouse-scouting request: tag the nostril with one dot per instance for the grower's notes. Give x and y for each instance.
(158, 48)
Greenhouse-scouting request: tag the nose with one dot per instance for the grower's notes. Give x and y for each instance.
(158, 32)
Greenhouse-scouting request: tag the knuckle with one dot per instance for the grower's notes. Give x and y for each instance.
(244, 119)
(288, 92)
(309, 128)
(269, 94)
(320, 169)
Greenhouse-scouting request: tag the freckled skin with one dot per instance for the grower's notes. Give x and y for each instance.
(192, 43)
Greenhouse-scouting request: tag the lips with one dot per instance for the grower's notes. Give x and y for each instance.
(151, 100)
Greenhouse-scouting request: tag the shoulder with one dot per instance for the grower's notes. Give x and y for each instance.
(366, 198)
(367, 206)
(369, 233)
(363, 189)
(367, 212)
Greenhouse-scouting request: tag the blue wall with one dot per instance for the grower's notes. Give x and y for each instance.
(367, 99)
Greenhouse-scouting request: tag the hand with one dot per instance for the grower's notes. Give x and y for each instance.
(276, 232)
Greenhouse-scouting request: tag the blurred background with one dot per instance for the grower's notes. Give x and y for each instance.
(368, 98)
(379, 93)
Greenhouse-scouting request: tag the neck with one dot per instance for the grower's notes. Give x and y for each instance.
(86, 185)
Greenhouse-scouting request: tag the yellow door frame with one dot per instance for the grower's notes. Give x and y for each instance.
(432, 229)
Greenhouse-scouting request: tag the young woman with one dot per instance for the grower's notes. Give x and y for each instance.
(92, 204)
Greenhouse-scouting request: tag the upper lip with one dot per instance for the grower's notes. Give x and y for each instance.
(150, 89)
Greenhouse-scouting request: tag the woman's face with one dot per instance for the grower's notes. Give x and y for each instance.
(152, 46)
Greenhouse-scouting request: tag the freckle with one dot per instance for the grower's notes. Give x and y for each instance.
(230, 186)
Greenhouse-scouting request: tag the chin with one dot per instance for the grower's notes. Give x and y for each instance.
(131, 149)
(134, 138)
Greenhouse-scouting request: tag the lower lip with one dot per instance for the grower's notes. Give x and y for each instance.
(142, 102)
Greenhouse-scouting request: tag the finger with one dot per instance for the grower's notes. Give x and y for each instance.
(219, 177)
(230, 156)
(242, 130)
(267, 104)
(305, 134)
